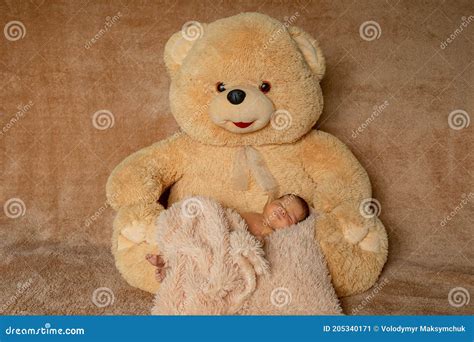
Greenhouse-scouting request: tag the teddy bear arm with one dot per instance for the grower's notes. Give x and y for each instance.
(141, 178)
(338, 176)
(342, 186)
(355, 246)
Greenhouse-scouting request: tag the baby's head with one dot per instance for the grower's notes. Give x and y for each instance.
(285, 211)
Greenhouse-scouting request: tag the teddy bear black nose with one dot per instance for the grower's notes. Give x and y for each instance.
(236, 96)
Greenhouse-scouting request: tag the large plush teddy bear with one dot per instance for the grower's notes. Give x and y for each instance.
(245, 92)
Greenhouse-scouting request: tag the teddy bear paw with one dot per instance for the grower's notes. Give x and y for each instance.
(371, 243)
(354, 233)
(135, 232)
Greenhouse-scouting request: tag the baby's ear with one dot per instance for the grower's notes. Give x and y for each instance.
(180, 43)
(310, 49)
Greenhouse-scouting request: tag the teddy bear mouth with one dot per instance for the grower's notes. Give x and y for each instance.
(242, 124)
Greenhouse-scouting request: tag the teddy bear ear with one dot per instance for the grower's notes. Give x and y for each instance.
(310, 49)
(179, 45)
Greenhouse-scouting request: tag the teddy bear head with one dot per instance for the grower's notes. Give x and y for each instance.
(244, 80)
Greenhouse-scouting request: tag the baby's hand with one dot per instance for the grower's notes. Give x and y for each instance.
(157, 261)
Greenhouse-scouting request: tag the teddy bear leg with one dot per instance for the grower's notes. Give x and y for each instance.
(130, 258)
(354, 267)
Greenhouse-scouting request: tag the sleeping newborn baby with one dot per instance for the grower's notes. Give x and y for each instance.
(278, 214)
(281, 213)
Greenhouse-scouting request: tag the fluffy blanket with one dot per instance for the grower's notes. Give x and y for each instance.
(216, 267)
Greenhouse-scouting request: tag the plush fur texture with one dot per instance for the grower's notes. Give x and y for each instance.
(212, 261)
(200, 159)
(215, 266)
(299, 282)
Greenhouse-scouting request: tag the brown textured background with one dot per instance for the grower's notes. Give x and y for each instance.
(57, 163)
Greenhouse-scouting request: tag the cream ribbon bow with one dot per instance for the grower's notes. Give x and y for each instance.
(247, 161)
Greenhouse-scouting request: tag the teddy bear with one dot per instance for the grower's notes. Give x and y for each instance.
(245, 92)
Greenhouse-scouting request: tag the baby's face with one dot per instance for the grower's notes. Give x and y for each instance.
(283, 212)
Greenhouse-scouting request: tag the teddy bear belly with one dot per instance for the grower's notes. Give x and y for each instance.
(221, 190)
(217, 184)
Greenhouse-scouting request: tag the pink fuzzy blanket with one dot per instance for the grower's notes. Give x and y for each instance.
(216, 267)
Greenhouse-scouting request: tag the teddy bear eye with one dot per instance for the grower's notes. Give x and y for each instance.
(220, 87)
(265, 87)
